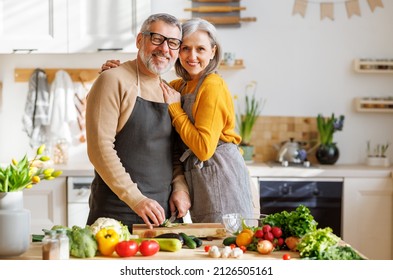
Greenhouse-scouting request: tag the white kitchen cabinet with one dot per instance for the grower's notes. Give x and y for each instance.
(70, 26)
(105, 25)
(368, 216)
(34, 26)
(47, 202)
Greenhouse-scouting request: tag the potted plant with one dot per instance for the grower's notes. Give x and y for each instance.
(246, 120)
(327, 151)
(14, 219)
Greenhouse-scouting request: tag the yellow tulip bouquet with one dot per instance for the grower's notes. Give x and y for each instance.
(25, 173)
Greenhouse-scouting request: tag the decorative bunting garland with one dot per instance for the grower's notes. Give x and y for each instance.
(327, 8)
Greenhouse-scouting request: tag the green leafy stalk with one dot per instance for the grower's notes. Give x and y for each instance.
(246, 121)
(23, 174)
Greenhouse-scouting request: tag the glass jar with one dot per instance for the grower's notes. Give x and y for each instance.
(50, 246)
(60, 152)
(64, 244)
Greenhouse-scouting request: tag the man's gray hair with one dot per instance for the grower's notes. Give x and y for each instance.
(167, 18)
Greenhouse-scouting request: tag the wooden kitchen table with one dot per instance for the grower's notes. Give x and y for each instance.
(35, 253)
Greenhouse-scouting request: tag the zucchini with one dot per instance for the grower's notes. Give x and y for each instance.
(166, 244)
(171, 235)
(188, 240)
(229, 240)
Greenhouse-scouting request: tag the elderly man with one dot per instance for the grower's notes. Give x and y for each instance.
(138, 178)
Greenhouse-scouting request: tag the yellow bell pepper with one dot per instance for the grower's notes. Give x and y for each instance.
(107, 240)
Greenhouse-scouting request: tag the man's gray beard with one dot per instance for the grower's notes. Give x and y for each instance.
(152, 67)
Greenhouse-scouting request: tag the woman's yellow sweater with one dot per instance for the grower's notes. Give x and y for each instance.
(214, 116)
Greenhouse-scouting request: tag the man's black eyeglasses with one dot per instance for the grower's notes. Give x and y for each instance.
(157, 39)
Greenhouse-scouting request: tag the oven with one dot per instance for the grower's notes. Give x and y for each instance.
(78, 192)
(323, 196)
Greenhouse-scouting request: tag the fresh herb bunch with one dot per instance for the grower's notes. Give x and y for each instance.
(295, 223)
(327, 127)
(26, 173)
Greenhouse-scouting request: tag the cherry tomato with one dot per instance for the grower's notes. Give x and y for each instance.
(207, 248)
(232, 246)
(126, 248)
(149, 247)
(286, 257)
(243, 248)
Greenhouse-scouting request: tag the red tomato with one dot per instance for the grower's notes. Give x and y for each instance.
(286, 257)
(243, 248)
(207, 248)
(232, 246)
(126, 248)
(149, 247)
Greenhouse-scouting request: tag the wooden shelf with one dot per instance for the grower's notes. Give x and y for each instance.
(237, 66)
(77, 74)
(374, 105)
(373, 66)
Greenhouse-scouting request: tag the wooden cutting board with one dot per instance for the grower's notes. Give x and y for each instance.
(202, 230)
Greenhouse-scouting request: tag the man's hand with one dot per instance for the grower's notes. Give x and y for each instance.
(181, 201)
(149, 210)
(112, 63)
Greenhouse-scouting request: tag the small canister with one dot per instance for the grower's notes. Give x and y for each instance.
(64, 244)
(50, 246)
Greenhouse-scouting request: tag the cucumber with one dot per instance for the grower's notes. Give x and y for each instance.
(188, 241)
(171, 235)
(198, 242)
(229, 240)
(166, 244)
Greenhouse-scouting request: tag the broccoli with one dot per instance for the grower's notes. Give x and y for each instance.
(82, 242)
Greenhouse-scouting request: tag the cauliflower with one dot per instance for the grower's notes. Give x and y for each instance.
(103, 222)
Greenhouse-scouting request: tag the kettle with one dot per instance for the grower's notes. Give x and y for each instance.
(291, 151)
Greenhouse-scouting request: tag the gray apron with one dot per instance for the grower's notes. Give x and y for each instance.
(219, 185)
(144, 146)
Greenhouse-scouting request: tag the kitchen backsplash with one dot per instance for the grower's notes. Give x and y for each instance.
(270, 131)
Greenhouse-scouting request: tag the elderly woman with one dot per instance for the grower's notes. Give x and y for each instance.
(202, 111)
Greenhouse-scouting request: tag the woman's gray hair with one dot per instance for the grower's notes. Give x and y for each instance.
(167, 18)
(191, 26)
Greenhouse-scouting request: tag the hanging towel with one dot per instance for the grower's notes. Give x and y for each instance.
(35, 117)
(62, 111)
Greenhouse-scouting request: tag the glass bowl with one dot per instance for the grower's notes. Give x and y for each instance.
(232, 222)
(254, 221)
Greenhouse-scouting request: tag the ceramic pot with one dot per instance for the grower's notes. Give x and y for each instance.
(14, 224)
(248, 153)
(327, 154)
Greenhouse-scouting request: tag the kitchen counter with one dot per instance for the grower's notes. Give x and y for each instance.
(261, 169)
(336, 170)
(35, 253)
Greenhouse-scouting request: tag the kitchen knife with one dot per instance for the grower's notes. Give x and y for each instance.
(173, 217)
